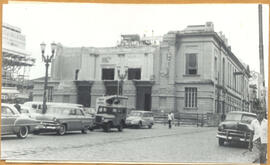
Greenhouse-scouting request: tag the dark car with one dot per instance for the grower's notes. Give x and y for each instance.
(64, 118)
(12, 122)
(108, 117)
(236, 127)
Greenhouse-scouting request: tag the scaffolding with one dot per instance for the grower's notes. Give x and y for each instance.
(16, 61)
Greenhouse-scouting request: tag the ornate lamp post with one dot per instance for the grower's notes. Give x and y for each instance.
(46, 59)
(121, 76)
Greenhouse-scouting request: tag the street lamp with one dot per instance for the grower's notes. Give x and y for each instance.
(121, 76)
(46, 59)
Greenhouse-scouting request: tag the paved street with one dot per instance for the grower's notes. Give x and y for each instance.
(159, 144)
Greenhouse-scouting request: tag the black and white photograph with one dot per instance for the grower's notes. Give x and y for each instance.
(134, 83)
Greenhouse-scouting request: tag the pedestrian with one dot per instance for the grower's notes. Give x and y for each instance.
(258, 138)
(170, 119)
(17, 106)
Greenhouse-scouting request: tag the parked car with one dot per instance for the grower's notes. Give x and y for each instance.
(90, 111)
(12, 122)
(27, 111)
(108, 117)
(63, 118)
(235, 128)
(36, 106)
(140, 119)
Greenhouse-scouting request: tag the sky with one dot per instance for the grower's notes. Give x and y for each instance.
(100, 25)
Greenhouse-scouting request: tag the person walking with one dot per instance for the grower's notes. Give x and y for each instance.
(258, 138)
(170, 119)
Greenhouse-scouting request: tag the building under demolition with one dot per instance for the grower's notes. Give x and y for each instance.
(16, 64)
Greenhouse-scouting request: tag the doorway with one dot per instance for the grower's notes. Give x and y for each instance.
(143, 98)
(84, 96)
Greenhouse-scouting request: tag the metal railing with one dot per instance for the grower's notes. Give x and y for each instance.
(183, 119)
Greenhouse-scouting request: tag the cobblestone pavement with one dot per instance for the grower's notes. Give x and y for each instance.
(159, 144)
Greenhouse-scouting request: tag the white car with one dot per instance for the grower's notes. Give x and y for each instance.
(140, 119)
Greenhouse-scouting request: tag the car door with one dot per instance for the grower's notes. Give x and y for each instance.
(80, 119)
(84, 118)
(72, 119)
(8, 119)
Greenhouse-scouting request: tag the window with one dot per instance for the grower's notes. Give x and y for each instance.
(50, 94)
(223, 72)
(191, 64)
(191, 97)
(134, 73)
(107, 74)
(79, 112)
(7, 111)
(216, 70)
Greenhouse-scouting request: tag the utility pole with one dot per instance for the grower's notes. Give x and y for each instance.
(261, 56)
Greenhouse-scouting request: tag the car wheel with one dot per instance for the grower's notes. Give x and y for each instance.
(221, 141)
(84, 130)
(140, 125)
(150, 126)
(120, 127)
(62, 130)
(107, 127)
(36, 132)
(23, 132)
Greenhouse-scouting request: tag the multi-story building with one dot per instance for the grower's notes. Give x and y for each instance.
(198, 72)
(82, 74)
(193, 70)
(16, 62)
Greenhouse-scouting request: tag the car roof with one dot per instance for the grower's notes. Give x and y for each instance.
(115, 106)
(141, 111)
(7, 104)
(64, 106)
(53, 103)
(242, 112)
(114, 96)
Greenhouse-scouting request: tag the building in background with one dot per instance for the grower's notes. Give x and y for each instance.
(80, 75)
(198, 73)
(190, 71)
(16, 64)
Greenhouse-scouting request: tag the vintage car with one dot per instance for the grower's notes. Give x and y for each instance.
(140, 119)
(235, 128)
(36, 106)
(108, 117)
(12, 122)
(63, 118)
(27, 111)
(111, 112)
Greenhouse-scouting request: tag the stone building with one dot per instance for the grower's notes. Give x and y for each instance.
(198, 72)
(193, 71)
(80, 75)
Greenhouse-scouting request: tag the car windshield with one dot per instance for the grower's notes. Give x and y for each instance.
(233, 117)
(58, 110)
(135, 114)
(105, 110)
(240, 117)
(248, 118)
